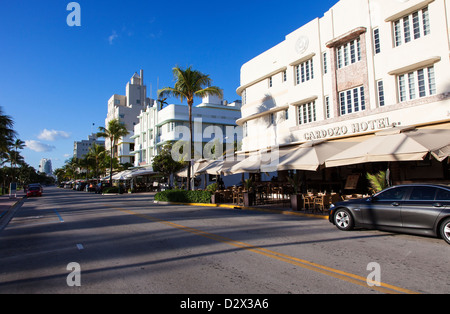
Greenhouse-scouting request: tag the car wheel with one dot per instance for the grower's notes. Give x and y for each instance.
(343, 219)
(445, 230)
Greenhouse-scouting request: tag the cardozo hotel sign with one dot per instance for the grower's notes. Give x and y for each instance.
(422, 114)
(351, 128)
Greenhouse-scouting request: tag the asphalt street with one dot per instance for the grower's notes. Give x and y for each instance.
(77, 242)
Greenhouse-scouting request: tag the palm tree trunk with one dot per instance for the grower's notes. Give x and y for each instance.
(190, 148)
(111, 163)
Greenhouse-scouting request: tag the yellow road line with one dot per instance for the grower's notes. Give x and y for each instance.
(335, 273)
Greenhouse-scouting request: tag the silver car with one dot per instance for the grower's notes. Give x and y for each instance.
(422, 209)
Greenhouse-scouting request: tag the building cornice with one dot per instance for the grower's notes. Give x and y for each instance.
(409, 10)
(304, 100)
(262, 78)
(354, 33)
(302, 59)
(415, 66)
(261, 114)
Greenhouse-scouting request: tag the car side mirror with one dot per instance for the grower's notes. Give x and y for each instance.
(372, 199)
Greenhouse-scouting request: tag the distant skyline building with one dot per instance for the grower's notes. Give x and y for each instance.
(45, 166)
(81, 148)
(127, 108)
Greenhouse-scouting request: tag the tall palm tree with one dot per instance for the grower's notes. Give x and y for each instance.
(18, 144)
(7, 133)
(113, 132)
(190, 84)
(70, 167)
(14, 155)
(96, 154)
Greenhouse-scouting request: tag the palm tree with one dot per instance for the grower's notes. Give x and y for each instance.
(18, 144)
(161, 103)
(7, 133)
(190, 84)
(377, 181)
(96, 154)
(60, 174)
(14, 156)
(114, 132)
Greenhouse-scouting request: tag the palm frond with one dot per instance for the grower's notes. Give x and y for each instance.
(211, 90)
(377, 181)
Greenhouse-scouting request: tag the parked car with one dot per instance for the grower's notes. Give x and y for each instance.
(422, 209)
(34, 191)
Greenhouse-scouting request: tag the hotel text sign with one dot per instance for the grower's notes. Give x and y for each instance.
(353, 128)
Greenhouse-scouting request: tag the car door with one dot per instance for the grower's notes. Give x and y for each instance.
(384, 209)
(443, 198)
(420, 209)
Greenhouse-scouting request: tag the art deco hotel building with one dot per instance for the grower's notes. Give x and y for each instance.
(366, 65)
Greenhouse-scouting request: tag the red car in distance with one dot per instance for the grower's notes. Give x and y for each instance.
(34, 191)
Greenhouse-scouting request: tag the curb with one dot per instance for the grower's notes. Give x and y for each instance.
(275, 211)
(6, 218)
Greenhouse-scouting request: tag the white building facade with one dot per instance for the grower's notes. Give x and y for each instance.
(362, 67)
(81, 148)
(126, 108)
(214, 121)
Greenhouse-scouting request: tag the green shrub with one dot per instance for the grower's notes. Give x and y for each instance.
(213, 187)
(182, 196)
(112, 189)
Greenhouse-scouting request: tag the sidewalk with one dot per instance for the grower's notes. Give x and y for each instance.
(6, 202)
(272, 208)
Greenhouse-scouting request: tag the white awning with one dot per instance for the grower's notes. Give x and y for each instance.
(397, 144)
(311, 155)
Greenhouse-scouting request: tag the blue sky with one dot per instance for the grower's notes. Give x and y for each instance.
(55, 80)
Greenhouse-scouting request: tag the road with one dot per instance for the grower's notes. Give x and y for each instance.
(127, 244)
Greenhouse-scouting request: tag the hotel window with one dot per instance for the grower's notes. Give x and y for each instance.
(380, 90)
(286, 114)
(304, 72)
(244, 97)
(325, 64)
(116, 101)
(245, 129)
(327, 107)
(411, 27)
(284, 76)
(376, 41)
(307, 113)
(352, 100)
(416, 84)
(349, 53)
(270, 82)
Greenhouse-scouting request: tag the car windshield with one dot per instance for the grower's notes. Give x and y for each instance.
(34, 188)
